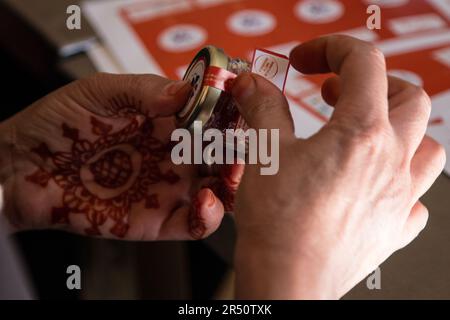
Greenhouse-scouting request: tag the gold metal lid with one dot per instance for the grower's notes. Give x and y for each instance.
(203, 99)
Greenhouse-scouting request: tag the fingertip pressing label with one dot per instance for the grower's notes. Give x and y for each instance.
(272, 66)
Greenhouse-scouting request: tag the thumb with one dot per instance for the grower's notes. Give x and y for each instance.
(111, 94)
(262, 104)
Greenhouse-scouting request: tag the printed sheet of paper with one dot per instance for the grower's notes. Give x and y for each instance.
(162, 36)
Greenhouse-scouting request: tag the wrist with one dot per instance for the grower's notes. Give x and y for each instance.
(266, 272)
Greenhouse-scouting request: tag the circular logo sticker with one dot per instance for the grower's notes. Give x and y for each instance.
(266, 66)
(251, 22)
(195, 77)
(387, 3)
(182, 37)
(319, 11)
(407, 75)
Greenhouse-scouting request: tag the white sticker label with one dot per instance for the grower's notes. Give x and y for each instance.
(319, 11)
(272, 66)
(251, 23)
(183, 37)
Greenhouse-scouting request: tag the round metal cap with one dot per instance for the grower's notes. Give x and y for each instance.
(203, 98)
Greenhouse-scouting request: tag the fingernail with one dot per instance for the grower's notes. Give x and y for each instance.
(174, 88)
(243, 87)
(229, 176)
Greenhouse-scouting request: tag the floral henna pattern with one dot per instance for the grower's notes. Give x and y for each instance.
(101, 179)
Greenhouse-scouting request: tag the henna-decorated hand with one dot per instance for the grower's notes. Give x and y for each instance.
(94, 158)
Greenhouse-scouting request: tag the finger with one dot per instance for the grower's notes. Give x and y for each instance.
(331, 90)
(426, 165)
(262, 104)
(415, 223)
(232, 175)
(362, 71)
(194, 221)
(151, 94)
(226, 186)
(396, 85)
(410, 116)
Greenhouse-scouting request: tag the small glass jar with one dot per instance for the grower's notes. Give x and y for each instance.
(211, 74)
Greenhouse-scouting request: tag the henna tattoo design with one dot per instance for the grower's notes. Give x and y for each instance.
(103, 178)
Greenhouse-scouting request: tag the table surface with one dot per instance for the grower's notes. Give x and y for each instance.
(419, 271)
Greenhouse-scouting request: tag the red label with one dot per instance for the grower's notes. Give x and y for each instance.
(219, 78)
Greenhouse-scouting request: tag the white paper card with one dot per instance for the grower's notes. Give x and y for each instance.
(272, 66)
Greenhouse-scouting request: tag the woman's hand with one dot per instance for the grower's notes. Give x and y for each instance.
(94, 158)
(348, 197)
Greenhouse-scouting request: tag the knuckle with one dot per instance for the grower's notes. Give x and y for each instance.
(425, 212)
(374, 131)
(364, 137)
(424, 215)
(263, 107)
(435, 153)
(371, 139)
(91, 87)
(135, 85)
(252, 112)
(439, 153)
(374, 53)
(421, 99)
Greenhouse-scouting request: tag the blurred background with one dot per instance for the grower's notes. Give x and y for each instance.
(40, 51)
